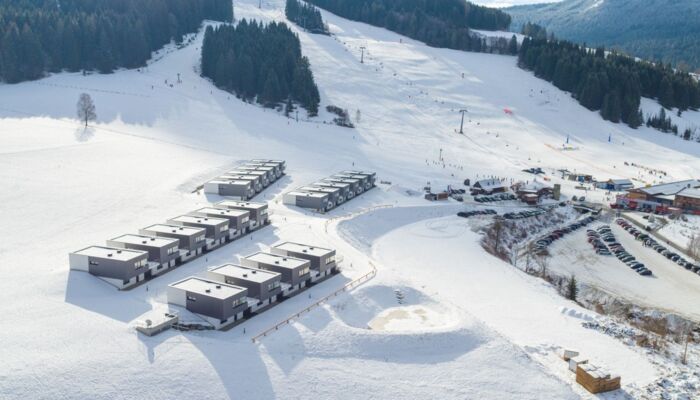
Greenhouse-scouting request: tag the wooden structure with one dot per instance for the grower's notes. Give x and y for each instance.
(596, 380)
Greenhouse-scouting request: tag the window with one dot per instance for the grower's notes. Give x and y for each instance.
(94, 263)
(223, 228)
(263, 212)
(191, 298)
(330, 259)
(244, 220)
(172, 250)
(140, 264)
(304, 271)
(199, 238)
(273, 285)
(238, 302)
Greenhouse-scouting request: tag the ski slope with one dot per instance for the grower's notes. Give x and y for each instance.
(489, 331)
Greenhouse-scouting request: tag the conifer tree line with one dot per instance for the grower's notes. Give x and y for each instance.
(444, 23)
(306, 16)
(261, 63)
(612, 83)
(40, 36)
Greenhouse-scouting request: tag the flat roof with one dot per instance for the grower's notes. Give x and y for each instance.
(238, 176)
(208, 288)
(353, 172)
(281, 162)
(199, 220)
(347, 180)
(246, 273)
(259, 167)
(339, 185)
(168, 228)
(345, 177)
(146, 240)
(262, 164)
(223, 211)
(222, 180)
(244, 171)
(242, 204)
(274, 259)
(304, 248)
(308, 194)
(322, 189)
(111, 252)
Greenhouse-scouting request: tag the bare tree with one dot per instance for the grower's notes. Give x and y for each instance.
(86, 108)
(694, 246)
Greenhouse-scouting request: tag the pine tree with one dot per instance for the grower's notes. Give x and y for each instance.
(513, 45)
(572, 289)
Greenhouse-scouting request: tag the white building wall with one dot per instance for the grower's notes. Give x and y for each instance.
(78, 262)
(211, 187)
(177, 296)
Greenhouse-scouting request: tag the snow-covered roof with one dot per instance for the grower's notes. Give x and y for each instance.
(246, 273)
(208, 288)
(248, 205)
(620, 182)
(304, 248)
(190, 219)
(489, 183)
(111, 252)
(146, 240)
(692, 193)
(223, 212)
(280, 261)
(670, 188)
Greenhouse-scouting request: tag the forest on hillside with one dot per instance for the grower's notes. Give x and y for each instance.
(306, 16)
(657, 30)
(40, 36)
(606, 81)
(261, 63)
(445, 23)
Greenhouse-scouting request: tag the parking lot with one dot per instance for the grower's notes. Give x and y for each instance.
(671, 287)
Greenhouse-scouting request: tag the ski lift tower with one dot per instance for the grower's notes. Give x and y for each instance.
(461, 124)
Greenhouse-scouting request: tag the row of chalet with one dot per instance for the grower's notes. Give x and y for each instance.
(231, 292)
(129, 259)
(330, 192)
(245, 181)
(680, 196)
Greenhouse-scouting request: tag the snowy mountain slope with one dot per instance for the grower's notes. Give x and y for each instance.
(65, 188)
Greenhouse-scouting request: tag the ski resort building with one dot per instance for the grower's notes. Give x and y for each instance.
(314, 200)
(264, 287)
(238, 220)
(242, 189)
(334, 195)
(192, 240)
(663, 193)
(615, 184)
(163, 251)
(276, 168)
(258, 177)
(122, 268)
(363, 181)
(489, 186)
(219, 303)
(368, 178)
(355, 184)
(323, 261)
(346, 191)
(259, 213)
(259, 181)
(280, 165)
(295, 272)
(688, 200)
(270, 171)
(217, 230)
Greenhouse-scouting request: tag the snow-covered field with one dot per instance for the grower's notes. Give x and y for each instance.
(468, 325)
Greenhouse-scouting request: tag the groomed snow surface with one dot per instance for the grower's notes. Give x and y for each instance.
(442, 319)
